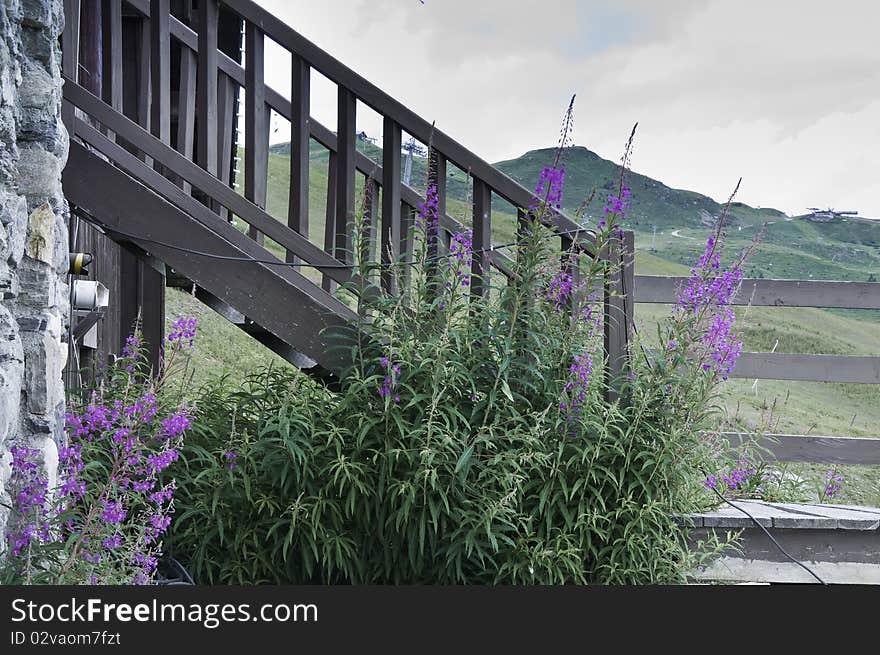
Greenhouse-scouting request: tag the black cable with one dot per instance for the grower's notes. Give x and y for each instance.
(770, 536)
(276, 262)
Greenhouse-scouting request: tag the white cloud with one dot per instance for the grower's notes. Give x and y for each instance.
(784, 94)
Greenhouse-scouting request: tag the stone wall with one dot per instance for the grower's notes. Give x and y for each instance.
(33, 235)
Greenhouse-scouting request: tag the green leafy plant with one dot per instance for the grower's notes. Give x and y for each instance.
(473, 439)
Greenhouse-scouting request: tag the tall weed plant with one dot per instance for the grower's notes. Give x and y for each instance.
(474, 438)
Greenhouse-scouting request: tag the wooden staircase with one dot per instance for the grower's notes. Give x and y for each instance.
(150, 104)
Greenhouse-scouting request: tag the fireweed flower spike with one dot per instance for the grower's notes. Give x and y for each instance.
(461, 254)
(833, 484)
(29, 491)
(577, 384)
(390, 381)
(183, 329)
(428, 213)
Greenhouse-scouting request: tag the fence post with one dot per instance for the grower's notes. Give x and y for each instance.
(618, 311)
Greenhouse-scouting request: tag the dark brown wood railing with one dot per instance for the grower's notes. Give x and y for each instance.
(183, 63)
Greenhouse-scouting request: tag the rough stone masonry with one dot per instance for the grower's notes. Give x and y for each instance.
(33, 236)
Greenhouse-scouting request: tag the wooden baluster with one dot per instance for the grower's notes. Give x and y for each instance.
(206, 93)
(256, 136)
(112, 43)
(225, 136)
(330, 221)
(186, 107)
(407, 225)
(616, 319)
(160, 69)
(144, 86)
(298, 198)
(482, 238)
(345, 151)
(391, 142)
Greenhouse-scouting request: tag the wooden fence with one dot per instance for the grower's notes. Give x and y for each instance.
(797, 367)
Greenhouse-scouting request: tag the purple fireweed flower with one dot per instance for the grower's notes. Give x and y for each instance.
(112, 542)
(833, 484)
(28, 489)
(160, 461)
(130, 351)
(428, 213)
(577, 384)
(614, 210)
(559, 289)
(549, 188)
(142, 486)
(732, 480)
(390, 381)
(707, 296)
(160, 522)
(183, 329)
(461, 248)
(176, 424)
(230, 457)
(113, 512)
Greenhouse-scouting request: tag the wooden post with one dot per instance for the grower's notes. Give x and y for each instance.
(482, 238)
(389, 243)
(330, 217)
(345, 150)
(206, 95)
(160, 69)
(298, 198)
(70, 53)
(112, 83)
(618, 285)
(186, 107)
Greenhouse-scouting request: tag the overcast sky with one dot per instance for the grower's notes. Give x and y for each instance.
(784, 93)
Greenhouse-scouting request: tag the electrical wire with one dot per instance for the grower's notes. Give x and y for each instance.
(770, 536)
(91, 218)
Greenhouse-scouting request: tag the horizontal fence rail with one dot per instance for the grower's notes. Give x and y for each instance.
(772, 293)
(787, 293)
(808, 368)
(816, 449)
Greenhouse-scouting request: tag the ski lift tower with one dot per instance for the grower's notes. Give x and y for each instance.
(410, 148)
